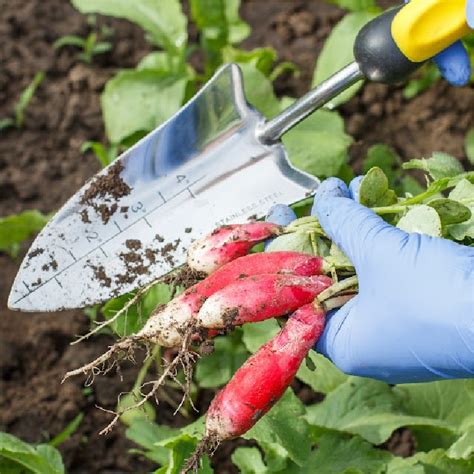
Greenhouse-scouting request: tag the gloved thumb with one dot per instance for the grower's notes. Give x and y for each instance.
(355, 229)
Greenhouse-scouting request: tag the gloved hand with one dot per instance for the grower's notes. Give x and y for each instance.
(413, 319)
(454, 62)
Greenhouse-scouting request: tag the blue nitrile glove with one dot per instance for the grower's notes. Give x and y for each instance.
(413, 319)
(454, 63)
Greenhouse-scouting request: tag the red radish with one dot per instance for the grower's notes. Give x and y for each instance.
(227, 243)
(263, 379)
(166, 326)
(259, 297)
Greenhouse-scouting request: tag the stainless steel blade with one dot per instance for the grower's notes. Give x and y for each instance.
(133, 222)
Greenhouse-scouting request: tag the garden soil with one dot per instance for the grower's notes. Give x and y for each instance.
(41, 166)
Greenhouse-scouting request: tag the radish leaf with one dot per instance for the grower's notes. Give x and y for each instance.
(440, 165)
(422, 220)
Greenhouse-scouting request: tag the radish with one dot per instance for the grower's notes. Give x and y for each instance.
(167, 326)
(259, 297)
(261, 381)
(227, 243)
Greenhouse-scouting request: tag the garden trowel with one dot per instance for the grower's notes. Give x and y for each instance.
(217, 161)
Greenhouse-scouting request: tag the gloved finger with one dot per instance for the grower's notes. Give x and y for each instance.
(279, 214)
(355, 229)
(454, 64)
(328, 344)
(354, 188)
(470, 13)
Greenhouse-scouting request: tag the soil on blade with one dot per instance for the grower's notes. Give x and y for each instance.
(41, 166)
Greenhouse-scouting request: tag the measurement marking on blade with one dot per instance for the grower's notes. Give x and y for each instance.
(103, 251)
(162, 197)
(58, 282)
(105, 241)
(146, 220)
(72, 255)
(118, 227)
(191, 193)
(27, 287)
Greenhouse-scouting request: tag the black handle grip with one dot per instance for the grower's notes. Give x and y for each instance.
(377, 54)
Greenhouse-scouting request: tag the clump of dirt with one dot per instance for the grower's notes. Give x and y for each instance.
(109, 187)
(101, 275)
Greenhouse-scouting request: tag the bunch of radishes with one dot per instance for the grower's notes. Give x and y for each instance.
(242, 288)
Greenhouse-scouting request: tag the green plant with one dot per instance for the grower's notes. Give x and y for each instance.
(344, 431)
(90, 46)
(16, 228)
(22, 104)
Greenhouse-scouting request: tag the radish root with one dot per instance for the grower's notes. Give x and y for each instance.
(208, 445)
(123, 349)
(184, 359)
(119, 313)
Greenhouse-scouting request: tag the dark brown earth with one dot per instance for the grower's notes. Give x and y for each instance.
(41, 166)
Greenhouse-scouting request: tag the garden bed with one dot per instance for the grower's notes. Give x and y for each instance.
(41, 166)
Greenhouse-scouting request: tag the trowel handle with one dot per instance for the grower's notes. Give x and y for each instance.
(395, 44)
(387, 49)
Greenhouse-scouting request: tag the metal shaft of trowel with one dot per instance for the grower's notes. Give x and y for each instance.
(272, 130)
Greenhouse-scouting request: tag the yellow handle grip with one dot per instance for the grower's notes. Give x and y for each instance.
(423, 28)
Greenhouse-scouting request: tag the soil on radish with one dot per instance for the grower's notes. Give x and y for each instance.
(41, 165)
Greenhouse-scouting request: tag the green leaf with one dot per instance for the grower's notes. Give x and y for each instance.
(16, 228)
(440, 165)
(69, 40)
(68, 431)
(146, 411)
(262, 58)
(428, 75)
(41, 460)
(337, 257)
(6, 123)
(356, 5)
(374, 190)
(26, 97)
(104, 155)
(163, 20)
(256, 334)
(285, 426)
(411, 186)
(296, 242)
(463, 448)
(337, 454)
(469, 146)
(238, 29)
(219, 24)
(249, 461)
(337, 52)
(217, 369)
(437, 462)
(463, 193)
(326, 378)
(180, 450)
(449, 401)
(385, 158)
(136, 316)
(135, 101)
(450, 212)
(370, 409)
(422, 220)
(145, 433)
(318, 145)
(259, 90)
